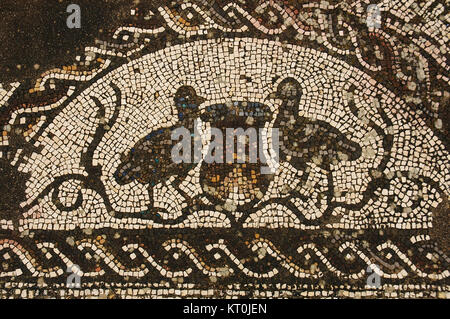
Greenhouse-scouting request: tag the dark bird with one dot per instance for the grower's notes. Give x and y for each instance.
(149, 161)
(303, 138)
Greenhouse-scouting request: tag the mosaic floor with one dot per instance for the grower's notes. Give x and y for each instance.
(346, 195)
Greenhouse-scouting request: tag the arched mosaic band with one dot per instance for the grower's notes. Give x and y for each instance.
(361, 176)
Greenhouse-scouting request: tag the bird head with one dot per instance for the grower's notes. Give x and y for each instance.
(187, 101)
(288, 90)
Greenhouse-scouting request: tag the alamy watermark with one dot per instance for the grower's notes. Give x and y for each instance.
(374, 279)
(74, 279)
(74, 19)
(373, 16)
(250, 138)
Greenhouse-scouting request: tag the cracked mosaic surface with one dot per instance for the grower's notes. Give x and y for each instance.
(361, 177)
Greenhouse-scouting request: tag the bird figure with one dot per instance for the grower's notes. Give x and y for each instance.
(302, 138)
(150, 161)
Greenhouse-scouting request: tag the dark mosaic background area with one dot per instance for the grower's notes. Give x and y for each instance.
(34, 33)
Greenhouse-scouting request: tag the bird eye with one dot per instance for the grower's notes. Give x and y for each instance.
(289, 88)
(186, 97)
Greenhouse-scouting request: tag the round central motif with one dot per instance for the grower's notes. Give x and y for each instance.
(234, 174)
